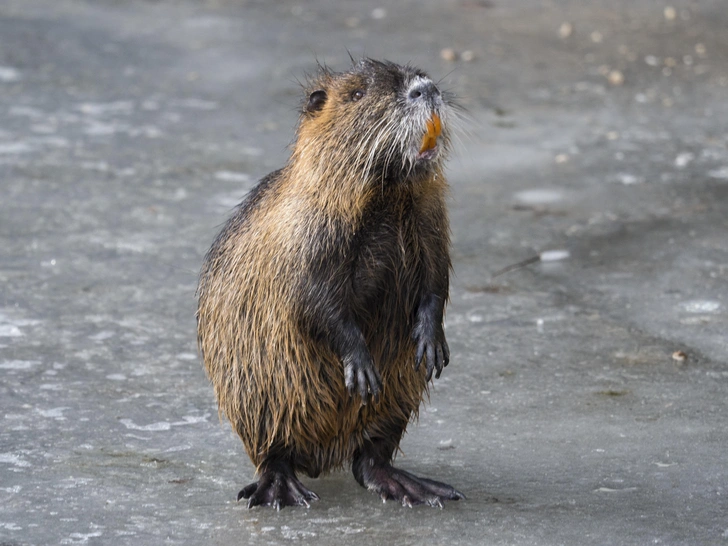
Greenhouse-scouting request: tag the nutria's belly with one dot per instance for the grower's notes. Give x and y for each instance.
(336, 423)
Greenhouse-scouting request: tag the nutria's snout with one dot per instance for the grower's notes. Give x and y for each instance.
(424, 90)
(425, 97)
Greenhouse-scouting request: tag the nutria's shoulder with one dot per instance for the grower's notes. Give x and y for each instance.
(236, 224)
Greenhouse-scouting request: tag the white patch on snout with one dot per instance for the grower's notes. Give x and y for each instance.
(421, 111)
(418, 81)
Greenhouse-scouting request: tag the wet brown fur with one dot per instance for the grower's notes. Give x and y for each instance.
(342, 213)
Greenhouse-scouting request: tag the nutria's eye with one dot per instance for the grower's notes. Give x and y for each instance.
(316, 101)
(356, 95)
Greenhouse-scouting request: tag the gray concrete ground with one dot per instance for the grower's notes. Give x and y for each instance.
(128, 131)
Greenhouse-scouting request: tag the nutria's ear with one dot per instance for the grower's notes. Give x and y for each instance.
(316, 101)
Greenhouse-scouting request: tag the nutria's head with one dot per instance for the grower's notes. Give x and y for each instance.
(378, 122)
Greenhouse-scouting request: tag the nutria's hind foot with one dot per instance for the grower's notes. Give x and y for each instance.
(394, 484)
(391, 483)
(277, 487)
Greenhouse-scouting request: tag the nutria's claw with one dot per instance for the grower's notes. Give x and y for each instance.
(361, 376)
(437, 354)
(429, 337)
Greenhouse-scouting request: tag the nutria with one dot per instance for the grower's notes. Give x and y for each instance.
(326, 289)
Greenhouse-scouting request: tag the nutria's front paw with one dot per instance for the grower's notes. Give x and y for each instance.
(361, 375)
(432, 344)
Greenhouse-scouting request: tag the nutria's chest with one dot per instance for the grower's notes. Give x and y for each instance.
(388, 273)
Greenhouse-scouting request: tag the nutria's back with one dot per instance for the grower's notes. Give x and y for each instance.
(320, 281)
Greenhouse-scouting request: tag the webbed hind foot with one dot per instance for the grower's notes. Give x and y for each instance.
(391, 483)
(395, 484)
(278, 487)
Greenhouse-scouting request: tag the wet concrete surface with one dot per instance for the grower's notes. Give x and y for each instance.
(586, 401)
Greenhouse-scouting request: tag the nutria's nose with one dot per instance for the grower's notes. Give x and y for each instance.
(423, 90)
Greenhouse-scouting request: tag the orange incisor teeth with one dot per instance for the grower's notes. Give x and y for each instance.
(434, 128)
